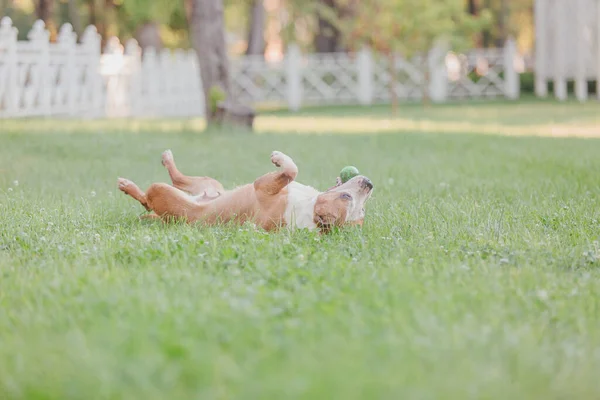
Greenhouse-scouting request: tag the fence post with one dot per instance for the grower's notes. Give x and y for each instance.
(511, 77)
(178, 84)
(598, 50)
(8, 44)
(112, 74)
(560, 81)
(91, 43)
(196, 106)
(165, 77)
(438, 75)
(364, 71)
(150, 81)
(67, 40)
(541, 48)
(581, 89)
(133, 54)
(294, 77)
(39, 39)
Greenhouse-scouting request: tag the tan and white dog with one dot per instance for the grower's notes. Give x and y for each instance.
(272, 201)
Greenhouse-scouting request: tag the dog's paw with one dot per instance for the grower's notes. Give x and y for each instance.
(124, 184)
(279, 159)
(167, 157)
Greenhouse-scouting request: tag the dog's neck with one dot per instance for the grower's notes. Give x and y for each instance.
(300, 209)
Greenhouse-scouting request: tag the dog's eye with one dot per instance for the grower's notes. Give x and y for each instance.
(345, 196)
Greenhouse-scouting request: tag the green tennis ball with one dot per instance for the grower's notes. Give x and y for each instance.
(348, 173)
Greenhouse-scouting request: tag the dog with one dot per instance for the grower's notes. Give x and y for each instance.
(272, 201)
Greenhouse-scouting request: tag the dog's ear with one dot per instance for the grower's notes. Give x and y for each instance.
(330, 211)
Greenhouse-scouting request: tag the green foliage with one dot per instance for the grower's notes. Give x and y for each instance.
(133, 13)
(476, 274)
(216, 95)
(414, 26)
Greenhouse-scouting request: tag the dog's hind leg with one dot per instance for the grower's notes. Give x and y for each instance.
(194, 185)
(169, 203)
(130, 188)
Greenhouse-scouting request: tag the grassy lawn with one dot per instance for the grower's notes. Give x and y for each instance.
(475, 275)
(528, 118)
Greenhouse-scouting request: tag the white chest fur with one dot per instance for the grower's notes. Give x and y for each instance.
(300, 206)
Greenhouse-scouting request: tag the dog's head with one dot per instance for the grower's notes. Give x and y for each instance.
(344, 204)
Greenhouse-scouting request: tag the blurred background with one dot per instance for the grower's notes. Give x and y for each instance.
(168, 58)
(262, 26)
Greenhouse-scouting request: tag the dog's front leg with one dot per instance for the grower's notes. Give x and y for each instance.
(272, 183)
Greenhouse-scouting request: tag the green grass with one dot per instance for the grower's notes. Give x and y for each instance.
(475, 275)
(529, 111)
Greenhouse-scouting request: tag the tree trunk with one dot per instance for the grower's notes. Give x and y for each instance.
(44, 10)
(425, 88)
(473, 7)
(256, 40)
(327, 39)
(105, 19)
(187, 7)
(93, 17)
(503, 23)
(148, 35)
(110, 19)
(486, 35)
(75, 17)
(208, 38)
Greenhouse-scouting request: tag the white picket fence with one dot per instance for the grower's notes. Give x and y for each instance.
(364, 77)
(70, 79)
(567, 46)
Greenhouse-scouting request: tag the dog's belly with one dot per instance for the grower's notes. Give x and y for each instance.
(299, 212)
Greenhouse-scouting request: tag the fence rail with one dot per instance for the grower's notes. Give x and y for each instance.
(364, 77)
(71, 79)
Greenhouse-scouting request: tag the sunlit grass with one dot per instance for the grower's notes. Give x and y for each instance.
(475, 275)
(533, 118)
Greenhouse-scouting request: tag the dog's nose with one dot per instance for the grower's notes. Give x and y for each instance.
(367, 183)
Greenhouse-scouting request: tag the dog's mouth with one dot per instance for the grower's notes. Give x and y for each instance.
(323, 226)
(364, 184)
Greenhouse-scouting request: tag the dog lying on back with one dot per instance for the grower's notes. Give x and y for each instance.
(272, 201)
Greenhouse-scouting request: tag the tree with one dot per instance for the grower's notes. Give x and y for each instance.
(412, 27)
(329, 38)
(208, 39)
(143, 18)
(44, 10)
(256, 40)
(473, 7)
(508, 18)
(75, 17)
